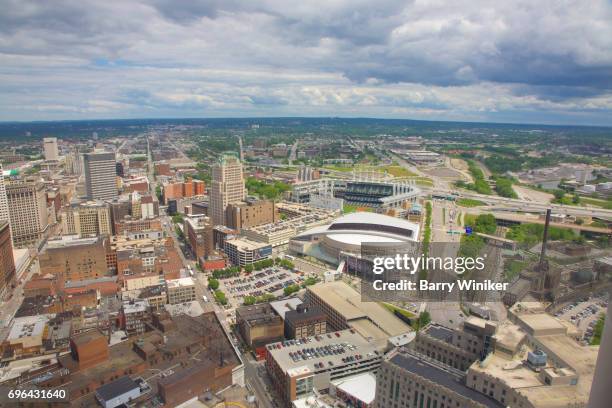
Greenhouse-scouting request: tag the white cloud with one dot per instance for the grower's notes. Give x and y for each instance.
(434, 59)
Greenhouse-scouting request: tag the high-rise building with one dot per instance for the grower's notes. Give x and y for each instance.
(7, 262)
(91, 218)
(227, 187)
(27, 203)
(73, 164)
(100, 175)
(412, 380)
(50, 148)
(250, 213)
(601, 392)
(4, 212)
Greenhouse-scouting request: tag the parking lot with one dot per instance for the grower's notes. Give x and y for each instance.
(267, 281)
(584, 313)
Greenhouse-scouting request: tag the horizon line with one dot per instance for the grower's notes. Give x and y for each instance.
(5, 122)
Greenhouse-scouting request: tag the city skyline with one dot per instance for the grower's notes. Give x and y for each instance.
(430, 61)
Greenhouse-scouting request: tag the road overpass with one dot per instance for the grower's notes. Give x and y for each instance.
(509, 219)
(529, 206)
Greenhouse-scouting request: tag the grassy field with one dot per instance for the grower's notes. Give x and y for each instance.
(424, 181)
(596, 202)
(394, 170)
(347, 208)
(397, 171)
(469, 202)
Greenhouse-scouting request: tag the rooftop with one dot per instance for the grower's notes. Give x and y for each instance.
(70, 241)
(181, 282)
(438, 375)
(116, 388)
(347, 302)
(439, 332)
(283, 306)
(362, 386)
(244, 244)
(135, 306)
(316, 353)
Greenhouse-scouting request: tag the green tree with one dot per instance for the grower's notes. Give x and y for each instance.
(291, 289)
(559, 194)
(213, 284)
(249, 300)
(220, 297)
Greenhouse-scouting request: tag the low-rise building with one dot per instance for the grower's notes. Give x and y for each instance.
(297, 368)
(241, 251)
(259, 325)
(344, 309)
(304, 321)
(133, 316)
(117, 393)
(180, 290)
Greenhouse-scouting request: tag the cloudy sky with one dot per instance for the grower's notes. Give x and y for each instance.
(544, 61)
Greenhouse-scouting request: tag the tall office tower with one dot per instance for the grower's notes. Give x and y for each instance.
(100, 175)
(50, 148)
(4, 212)
(601, 392)
(7, 262)
(227, 187)
(27, 203)
(73, 163)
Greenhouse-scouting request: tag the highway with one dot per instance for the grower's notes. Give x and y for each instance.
(529, 206)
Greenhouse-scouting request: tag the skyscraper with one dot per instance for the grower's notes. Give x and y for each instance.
(100, 175)
(601, 392)
(4, 212)
(227, 187)
(27, 204)
(73, 163)
(50, 148)
(7, 262)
